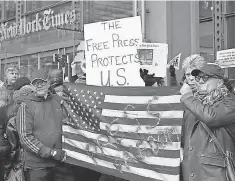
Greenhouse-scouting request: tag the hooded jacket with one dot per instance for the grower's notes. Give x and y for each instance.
(202, 160)
(39, 124)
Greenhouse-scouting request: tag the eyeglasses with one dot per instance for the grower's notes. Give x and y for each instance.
(39, 83)
(203, 77)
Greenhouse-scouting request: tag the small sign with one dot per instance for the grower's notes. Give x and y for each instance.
(175, 62)
(226, 58)
(153, 57)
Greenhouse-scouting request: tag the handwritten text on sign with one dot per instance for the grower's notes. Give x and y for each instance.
(111, 55)
(226, 58)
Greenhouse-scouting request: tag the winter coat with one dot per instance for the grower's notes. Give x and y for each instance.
(202, 160)
(39, 125)
(4, 145)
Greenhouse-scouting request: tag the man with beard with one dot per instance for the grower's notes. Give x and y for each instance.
(39, 124)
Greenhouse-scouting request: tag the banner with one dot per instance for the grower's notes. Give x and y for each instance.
(226, 58)
(175, 62)
(153, 57)
(111, 55)
(128, 132)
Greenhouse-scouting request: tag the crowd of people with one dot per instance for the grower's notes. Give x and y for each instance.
(31, 118)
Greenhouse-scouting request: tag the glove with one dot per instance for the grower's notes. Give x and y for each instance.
(59, 155)
(172, 71)
(149, 79)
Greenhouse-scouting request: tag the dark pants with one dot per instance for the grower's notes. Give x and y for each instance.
(84, 174)
(58, 173)
(1, 171)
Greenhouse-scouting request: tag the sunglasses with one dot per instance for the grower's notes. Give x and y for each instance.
(203, 77)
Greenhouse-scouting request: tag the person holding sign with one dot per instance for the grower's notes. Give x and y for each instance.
(79, 65)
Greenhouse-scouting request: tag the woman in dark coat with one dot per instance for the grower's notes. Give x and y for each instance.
(213, 107)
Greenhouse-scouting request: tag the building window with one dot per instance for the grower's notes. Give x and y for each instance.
(205, 9)
(206, 30)
(28, 64)
(10, 9)
(33, 5)
(48, 64)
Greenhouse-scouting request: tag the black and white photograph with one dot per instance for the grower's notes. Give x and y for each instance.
(105, 90)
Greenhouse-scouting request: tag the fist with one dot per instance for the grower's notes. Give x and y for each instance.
(59, 155)
(185, 89)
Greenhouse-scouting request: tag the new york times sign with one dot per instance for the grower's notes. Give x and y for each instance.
(47, 21)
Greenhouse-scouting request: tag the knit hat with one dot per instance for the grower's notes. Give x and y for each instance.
(20, 82)
(39, 74)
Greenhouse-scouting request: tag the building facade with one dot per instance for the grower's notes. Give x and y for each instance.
(32, 31)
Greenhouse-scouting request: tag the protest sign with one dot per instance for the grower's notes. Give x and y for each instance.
(111, 54)
(226, 58)
(175, 62)
(153, 57)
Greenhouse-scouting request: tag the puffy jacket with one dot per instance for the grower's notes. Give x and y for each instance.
(202, 160)
(39, 124)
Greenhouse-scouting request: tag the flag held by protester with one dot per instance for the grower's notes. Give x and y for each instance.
(128, 132)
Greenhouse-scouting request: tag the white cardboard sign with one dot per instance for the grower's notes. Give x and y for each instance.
(111, 54)
(153, 57)
(226, 58)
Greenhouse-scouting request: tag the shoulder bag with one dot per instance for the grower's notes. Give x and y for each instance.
(230, 169)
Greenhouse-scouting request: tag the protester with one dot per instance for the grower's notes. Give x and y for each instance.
(211, 107)
(56, 81)
(79, 65)
(39, 125)
(14, 164)
(190, 63)
(11, 73)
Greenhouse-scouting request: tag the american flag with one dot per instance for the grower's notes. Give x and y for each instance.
(128, 132)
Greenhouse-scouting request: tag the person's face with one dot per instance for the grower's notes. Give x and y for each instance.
(11, 76)
(41, 87)
(207, 83)
(189, 78)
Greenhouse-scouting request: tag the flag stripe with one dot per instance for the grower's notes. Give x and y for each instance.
(162, 152)
(138, 171)
(152, 161)
(156, 168)
(124, 141)
(142, 129)
(142, 99)
(142, 114)
(145, 121)
(108, 171)
(141, 107)
(127, 91)
(136, 137)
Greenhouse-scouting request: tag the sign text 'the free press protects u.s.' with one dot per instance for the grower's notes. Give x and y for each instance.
(111, 54)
